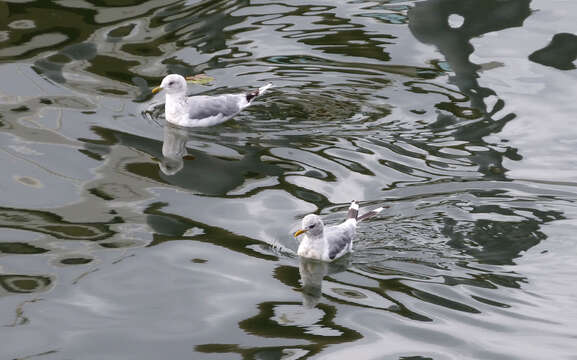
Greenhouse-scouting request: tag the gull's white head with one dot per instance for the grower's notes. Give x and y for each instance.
(312, 225)
(172, 84)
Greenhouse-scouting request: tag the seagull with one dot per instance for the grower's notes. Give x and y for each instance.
(200, 111)
(334, 241)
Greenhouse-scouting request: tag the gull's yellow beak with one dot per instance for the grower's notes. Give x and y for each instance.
(156, 89)
(300, 232)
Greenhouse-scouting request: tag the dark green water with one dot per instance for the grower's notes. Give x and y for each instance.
(457, 114)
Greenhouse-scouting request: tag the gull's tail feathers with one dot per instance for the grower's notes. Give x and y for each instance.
(370, 214)
(251, 95)
(262, 89)
(353, 210)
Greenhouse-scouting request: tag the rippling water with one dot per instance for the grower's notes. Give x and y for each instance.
(123, 238)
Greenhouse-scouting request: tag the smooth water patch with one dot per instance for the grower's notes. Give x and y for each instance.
(123, 237)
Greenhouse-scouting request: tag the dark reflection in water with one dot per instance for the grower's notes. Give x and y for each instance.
(289, 321)
(204, 173)
(72, 29)
(272, 352)
(23, 284)
(20, 248)
(50, 224)
(312, 273)
(496, 242)
(210, 174)
(499, 242)
(429, 23)
(53, 66)
(560, 53)
(173, 149)
(360, 112)
(169, 227)
(75, 261)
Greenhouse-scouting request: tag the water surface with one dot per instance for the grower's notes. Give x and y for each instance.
(122, 237)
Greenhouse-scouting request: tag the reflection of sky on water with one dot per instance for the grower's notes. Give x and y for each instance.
(128, 230)
(452, 146)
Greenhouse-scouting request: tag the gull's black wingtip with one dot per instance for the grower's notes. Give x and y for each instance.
(251, 95)
(353, 210)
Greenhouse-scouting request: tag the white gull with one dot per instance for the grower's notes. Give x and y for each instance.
(332, 242)
(200, 111)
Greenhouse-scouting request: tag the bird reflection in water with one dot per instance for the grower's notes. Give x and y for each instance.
(220, 164)
(313, 272)
(173, 149)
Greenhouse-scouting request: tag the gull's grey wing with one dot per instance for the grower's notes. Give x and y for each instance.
(202, 107)
(339, 239)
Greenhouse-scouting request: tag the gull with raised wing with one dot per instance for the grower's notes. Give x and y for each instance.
(331, 242)
(202, 110)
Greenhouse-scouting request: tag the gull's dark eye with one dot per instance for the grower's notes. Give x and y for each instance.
(170, 83)
(312, 226)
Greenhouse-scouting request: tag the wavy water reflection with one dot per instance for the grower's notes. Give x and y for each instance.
(123, 237)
